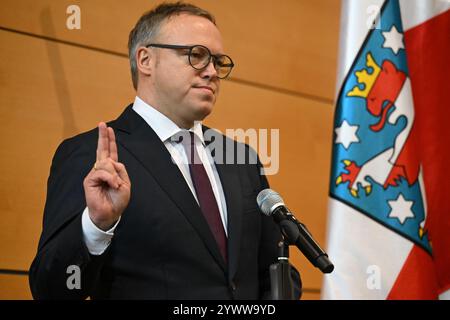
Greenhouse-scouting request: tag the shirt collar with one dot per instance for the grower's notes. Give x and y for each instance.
(161, 124)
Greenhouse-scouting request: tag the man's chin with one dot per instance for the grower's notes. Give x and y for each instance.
(201, 112)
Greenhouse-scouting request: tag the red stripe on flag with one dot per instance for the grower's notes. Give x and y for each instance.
(417, 279)
(427, 48)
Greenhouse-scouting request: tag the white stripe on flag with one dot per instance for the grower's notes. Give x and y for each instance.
(360, 247)
(415, 12)
(445, 295)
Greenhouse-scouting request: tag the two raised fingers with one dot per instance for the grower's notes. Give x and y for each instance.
(106, 146)
(107, 155)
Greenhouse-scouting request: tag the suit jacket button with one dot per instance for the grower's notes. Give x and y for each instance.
(232, 286)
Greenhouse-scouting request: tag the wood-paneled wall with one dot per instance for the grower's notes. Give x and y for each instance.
(56, 82)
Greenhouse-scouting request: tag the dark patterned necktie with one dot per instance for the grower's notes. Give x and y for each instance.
(205, 194)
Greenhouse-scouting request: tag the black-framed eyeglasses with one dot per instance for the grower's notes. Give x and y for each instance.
(200, 57)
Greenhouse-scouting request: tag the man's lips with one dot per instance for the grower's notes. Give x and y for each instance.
(205, 87)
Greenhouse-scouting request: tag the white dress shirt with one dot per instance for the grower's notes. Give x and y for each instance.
(98, 240)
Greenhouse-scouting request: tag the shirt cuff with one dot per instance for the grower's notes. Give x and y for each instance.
(96, 240)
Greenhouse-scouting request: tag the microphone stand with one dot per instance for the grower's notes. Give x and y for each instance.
(280, 274)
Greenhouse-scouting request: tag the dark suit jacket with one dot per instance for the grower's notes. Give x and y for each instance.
(162, 248)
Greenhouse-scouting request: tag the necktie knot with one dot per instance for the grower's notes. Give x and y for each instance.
(188, 143)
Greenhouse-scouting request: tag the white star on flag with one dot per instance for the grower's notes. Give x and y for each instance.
(393, 39)
(346, 134)
(401, 209)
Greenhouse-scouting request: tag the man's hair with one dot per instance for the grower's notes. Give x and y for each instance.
(148, 27)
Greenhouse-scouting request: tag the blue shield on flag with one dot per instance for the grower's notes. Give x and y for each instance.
(374, 167)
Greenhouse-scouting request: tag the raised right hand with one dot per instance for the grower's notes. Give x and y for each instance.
(107, 186)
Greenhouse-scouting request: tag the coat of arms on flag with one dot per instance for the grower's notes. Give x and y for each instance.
(376, 169)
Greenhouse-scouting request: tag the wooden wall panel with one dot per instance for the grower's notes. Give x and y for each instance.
(48, 92)
(14, 287)
(308, 295)
(289, 44)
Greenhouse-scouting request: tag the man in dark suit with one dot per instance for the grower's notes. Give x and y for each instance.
(145, 207)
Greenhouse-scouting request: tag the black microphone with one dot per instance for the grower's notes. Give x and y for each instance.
(295, 232)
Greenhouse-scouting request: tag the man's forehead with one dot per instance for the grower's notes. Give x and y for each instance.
(190, 29)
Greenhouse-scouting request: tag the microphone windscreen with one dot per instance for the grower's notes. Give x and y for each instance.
(268, 200)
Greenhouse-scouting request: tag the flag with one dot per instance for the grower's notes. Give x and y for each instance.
(389, 212)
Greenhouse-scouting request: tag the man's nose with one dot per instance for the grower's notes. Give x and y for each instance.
(210, 70)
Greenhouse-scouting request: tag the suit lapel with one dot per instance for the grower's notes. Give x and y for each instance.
(135, 135)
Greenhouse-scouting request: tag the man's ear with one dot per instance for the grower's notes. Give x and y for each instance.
(144, 61)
